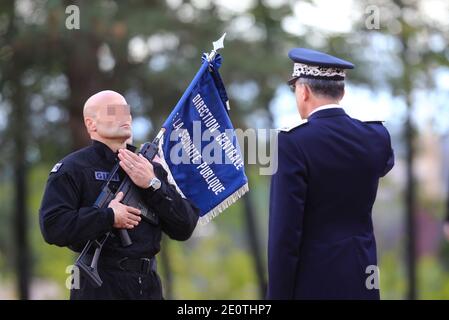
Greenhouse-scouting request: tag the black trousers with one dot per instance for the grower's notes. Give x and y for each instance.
(120, 285)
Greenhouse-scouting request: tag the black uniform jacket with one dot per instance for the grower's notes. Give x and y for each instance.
(68, 218)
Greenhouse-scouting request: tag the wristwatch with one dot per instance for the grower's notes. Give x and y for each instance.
(155, 184)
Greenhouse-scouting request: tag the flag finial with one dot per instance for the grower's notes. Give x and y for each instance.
(217, 46)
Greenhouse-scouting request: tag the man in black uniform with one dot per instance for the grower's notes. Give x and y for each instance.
(68, 218)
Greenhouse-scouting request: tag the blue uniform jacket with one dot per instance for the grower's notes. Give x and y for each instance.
(321, 238)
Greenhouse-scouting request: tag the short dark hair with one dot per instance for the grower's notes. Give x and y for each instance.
(325, 88)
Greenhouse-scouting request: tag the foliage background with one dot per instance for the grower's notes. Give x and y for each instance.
(150, 50)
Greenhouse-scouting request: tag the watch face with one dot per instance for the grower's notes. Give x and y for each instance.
(155, 183)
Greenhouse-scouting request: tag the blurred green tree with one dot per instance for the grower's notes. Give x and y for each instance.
(148, 51)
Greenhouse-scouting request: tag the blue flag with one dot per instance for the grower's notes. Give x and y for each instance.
(199, 148)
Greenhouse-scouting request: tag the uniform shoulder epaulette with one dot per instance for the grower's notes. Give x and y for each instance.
(374, 121)
(371, 119)
(69, 162)
(61, 166)
(296, 125)
(56, 167)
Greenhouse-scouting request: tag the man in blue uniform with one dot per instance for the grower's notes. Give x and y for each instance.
(321, 242)
(68, 218)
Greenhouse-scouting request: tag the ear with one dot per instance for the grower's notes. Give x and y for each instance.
(343, 94)
(90, 124)
(306, 92)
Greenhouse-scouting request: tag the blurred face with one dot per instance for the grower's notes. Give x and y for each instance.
(113, 121)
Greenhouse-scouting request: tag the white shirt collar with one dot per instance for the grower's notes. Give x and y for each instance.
(326, 106)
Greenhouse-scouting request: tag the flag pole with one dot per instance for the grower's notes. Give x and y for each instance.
(217, 45)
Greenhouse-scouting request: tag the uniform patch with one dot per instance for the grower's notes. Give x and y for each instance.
(56, 167)
(104, 176)
(297, 124)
